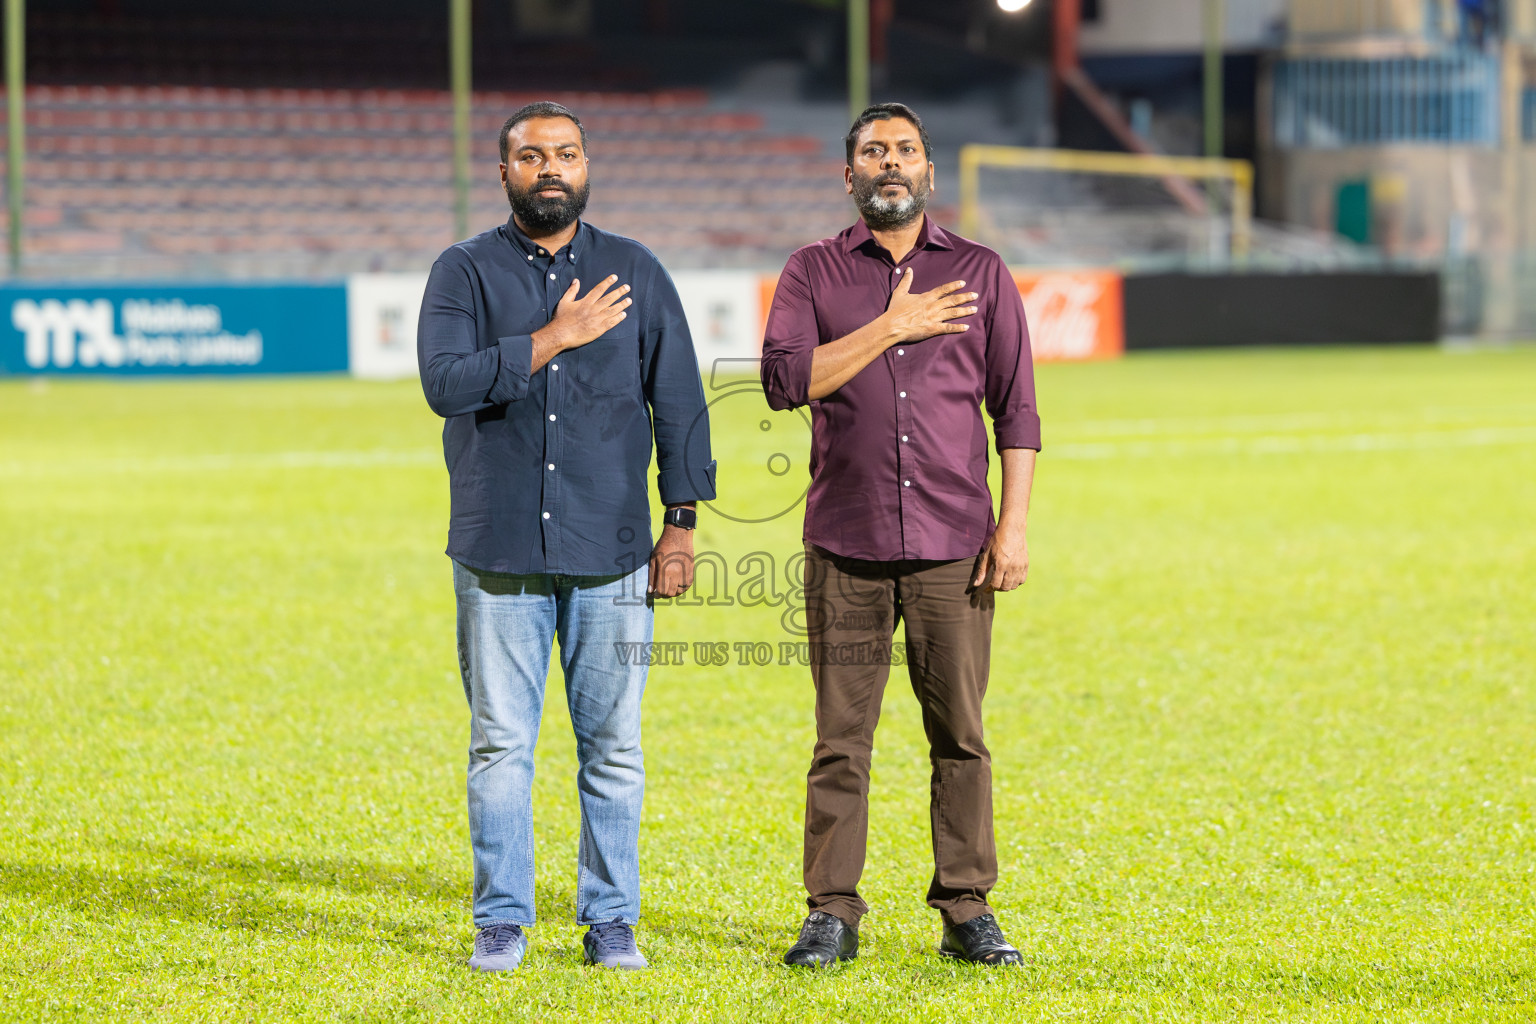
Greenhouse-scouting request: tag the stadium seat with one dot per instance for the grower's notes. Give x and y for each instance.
(338, 180)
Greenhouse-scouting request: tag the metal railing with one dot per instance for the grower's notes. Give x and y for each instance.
(1450, 98)
(1528, 113)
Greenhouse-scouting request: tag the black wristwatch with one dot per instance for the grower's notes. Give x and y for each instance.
(686, 518)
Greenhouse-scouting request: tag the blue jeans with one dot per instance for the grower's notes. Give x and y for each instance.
(506, 626)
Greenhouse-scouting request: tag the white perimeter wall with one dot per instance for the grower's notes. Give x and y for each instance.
(725, 315)
(724, 309)
(382, 310)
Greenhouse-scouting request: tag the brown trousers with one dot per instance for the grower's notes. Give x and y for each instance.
(852, 607)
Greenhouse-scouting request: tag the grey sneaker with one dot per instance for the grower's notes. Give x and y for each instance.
(499, 947)
(612, 945)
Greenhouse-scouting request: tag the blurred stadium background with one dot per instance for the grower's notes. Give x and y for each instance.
(1364, 183)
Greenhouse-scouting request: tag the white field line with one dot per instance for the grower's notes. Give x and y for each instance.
(220, 462)
(1292, 444)
(1263, 444)
(1443, 415)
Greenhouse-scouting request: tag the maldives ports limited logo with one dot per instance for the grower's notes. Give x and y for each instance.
(66, 333)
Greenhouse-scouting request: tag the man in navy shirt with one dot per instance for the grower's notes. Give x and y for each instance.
(552, 391)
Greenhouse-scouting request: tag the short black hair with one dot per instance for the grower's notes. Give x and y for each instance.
(543, 108)
(885, 112)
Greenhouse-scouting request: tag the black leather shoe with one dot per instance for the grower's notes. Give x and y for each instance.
(824, 940)
(979, 941)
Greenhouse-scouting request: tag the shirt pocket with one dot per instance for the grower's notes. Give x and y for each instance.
(610, 364)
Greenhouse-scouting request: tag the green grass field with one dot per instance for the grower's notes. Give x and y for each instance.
(1263, 718)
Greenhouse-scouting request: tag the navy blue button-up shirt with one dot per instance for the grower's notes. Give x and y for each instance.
(547, 470)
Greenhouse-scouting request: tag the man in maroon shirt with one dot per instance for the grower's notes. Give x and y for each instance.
(896, 332)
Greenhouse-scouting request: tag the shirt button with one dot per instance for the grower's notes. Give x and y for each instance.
(530, 258)
(901, 351)
(904, 483)
(546, 515)
(551, 417)
(554, 366)
(903, 438)
(903, 394)
(551, 277)
(551, 465)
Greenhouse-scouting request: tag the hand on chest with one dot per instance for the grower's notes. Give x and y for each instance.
(845, 306)
(609, 364)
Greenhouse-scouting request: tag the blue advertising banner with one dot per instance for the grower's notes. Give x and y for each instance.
(169, 328)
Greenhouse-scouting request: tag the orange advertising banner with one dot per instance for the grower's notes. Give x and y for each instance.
(1073, 314)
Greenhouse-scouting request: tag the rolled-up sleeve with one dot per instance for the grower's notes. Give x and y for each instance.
(457, 376)
(790, 339)
(1010, 383)
(679, 415)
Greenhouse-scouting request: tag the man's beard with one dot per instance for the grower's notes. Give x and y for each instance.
(883, 214)
(547, 216)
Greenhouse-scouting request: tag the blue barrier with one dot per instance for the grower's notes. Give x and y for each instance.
(169, 328)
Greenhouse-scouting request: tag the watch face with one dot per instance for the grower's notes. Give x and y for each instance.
(683, 517)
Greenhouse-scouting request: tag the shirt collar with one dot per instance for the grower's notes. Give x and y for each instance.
(931, 236)
(528, 247)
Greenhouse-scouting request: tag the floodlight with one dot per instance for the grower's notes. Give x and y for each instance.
(1013, 6)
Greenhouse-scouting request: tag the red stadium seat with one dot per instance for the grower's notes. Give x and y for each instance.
(336, 176)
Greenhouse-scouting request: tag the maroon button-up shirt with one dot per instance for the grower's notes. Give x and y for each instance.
(899, 453)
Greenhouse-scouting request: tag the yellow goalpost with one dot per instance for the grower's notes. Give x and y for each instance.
(1178, 175)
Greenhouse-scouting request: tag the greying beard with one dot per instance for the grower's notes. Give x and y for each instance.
(883, 214)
